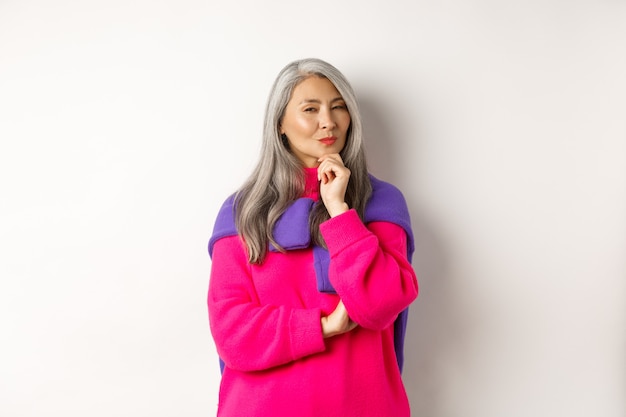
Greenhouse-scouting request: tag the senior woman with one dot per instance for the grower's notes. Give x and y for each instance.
(311, 275)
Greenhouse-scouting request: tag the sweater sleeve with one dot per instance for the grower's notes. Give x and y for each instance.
(369, 268)
(250, 336)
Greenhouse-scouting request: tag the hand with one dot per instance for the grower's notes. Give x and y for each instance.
(338, 322)
(334, 177)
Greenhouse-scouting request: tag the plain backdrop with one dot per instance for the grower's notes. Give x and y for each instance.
(125, 124)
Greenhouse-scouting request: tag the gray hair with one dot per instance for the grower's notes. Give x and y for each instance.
(278, 178)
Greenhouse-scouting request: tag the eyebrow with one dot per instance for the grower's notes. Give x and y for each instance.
(317, 101)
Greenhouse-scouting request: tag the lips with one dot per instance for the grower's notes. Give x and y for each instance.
(329, 140)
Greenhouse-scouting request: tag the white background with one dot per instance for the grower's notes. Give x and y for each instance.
(124, 124)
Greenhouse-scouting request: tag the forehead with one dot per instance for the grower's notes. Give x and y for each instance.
(315, 88)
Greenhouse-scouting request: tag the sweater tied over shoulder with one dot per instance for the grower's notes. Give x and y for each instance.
(291, 232)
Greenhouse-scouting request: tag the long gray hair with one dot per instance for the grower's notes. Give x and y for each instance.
(279, 179)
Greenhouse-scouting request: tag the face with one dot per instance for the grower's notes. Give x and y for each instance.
(316, 120)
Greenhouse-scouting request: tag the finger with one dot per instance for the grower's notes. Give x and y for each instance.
(335, 157)
(331, 172)
(331, 165)
(326, 171)
(352, 325)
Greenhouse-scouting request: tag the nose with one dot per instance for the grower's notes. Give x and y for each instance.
(326, 120)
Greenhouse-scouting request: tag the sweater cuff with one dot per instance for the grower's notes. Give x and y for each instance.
(341, 231)
(305, 328)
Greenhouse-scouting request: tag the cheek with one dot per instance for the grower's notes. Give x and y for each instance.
(304, 123)
(345, 122)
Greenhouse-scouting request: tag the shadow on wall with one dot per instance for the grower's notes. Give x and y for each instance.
(436, 333)
(378, 144)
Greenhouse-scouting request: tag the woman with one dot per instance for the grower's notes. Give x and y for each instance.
(310, 276)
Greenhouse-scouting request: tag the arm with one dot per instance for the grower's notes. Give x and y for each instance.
(250, 336)
(369, 269)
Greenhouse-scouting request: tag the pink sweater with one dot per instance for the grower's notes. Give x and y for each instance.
(265, 320)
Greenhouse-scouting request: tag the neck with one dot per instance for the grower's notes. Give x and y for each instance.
(311, 184)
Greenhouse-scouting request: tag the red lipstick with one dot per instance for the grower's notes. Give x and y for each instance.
(329, 140)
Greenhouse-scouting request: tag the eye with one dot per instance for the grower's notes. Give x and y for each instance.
(339, 107)
(310, 109)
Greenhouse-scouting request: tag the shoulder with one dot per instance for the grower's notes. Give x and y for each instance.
(386, 198)
(387, 204)
(384, 188)
(224, 223)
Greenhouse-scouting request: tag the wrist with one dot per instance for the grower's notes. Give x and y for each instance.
(336, 209)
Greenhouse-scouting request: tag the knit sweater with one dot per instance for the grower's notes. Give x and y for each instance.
(265, 320)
